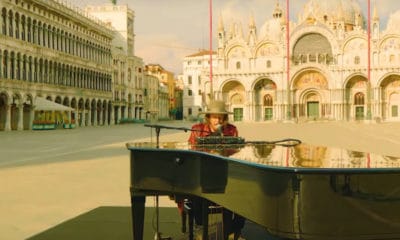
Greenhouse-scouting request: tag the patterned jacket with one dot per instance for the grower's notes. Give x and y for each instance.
(203, 130)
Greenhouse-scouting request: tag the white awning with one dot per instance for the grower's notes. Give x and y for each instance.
(42, 104)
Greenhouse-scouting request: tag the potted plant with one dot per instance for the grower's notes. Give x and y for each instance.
(67, 124)
(43, 125)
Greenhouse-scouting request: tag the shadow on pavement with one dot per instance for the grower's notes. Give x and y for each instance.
(115, 223)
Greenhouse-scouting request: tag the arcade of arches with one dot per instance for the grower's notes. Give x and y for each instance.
(18, 112)
(312, 97)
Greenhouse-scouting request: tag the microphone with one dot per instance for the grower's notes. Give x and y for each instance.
(218, 131)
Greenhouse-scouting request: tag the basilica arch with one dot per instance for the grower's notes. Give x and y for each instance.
(311, 95)
(390, 97)
(264, 97)
(233, 92)
(356, 98)
(312, 48)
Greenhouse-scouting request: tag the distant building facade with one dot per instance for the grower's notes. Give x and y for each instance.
(53, 51)
(68, 56)
(324, 73)
(166, 78)
(128, 69)
(196, 82)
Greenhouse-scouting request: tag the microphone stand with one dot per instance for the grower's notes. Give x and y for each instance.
(287, 142)
(158, 128)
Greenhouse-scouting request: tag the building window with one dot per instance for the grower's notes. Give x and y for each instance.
(268, 100)
(199, 62)
(391, 58)
(190, 111)
(189, 79)
(190, 92)
(359, 99)
(268, 64)
(357, 60)
(238, 65)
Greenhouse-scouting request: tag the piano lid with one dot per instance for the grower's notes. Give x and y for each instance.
(302, 156)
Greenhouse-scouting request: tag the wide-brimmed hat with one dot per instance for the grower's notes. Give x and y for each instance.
(216, 107)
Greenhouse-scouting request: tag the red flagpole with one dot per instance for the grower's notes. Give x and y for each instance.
(289, 111)
(369, 62)
(369, 38)
(211, 72)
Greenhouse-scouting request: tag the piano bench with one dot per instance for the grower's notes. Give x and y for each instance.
(188, 214)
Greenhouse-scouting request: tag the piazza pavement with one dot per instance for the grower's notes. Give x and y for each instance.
(48, 177)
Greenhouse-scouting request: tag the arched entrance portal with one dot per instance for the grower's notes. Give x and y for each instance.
(313, 105)
(394, 103)
(233, 92)
(391, 98)
(263, 101)
(310, 89)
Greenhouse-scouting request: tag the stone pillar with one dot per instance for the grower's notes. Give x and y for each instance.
(101, 117)
(7, 126)
(95, 112)
(83, 116)
(31, 116)
(89, 118)
(20, 117)
(111, 116)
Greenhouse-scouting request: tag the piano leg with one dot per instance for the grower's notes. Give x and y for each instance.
(137, 208)
(187, 213)
(204, 212)
(191, 226)
(183, 220)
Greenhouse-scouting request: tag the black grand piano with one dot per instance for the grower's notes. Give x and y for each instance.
(294, 192)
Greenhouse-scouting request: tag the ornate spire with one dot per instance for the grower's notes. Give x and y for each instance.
(375, 16)
(220, 23)
(341, 13)
(252, 23)
(277, 11)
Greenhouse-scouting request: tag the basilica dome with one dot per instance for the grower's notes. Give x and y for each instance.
(332, 11)
(393, 24)
(272, 28)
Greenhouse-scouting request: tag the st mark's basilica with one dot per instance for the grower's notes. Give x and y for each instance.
(331, 67)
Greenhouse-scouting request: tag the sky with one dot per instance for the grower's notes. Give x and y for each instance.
(168, 30)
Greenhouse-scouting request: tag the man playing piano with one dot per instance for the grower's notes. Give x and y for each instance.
(216, 124)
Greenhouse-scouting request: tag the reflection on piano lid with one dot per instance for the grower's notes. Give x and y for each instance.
(299, 156)
(300, 192)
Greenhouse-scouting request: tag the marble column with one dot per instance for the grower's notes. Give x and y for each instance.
(112, 122)
(95, 112)
(83, 120)
(7, 126)
(20, 117)
(89, 118)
